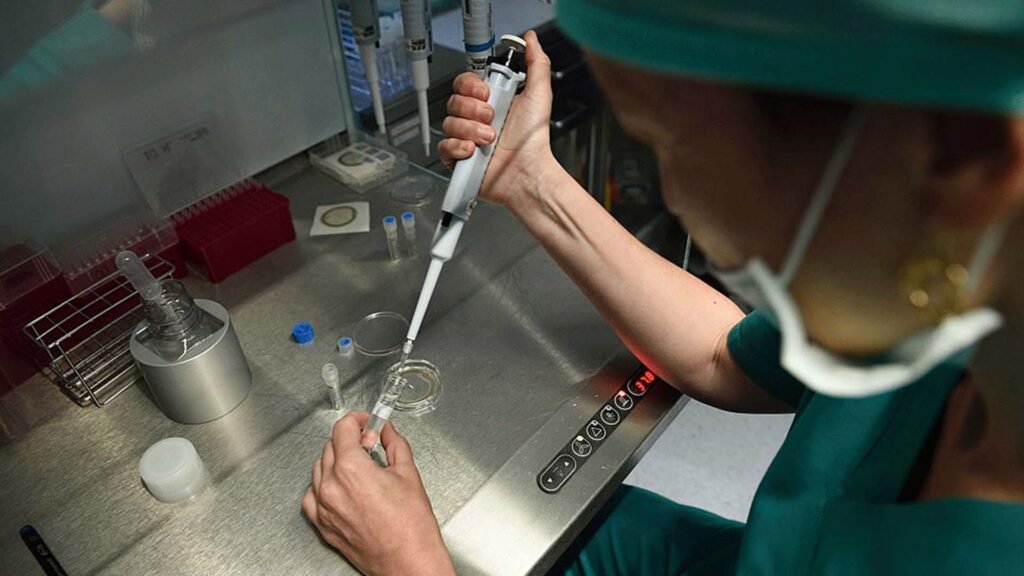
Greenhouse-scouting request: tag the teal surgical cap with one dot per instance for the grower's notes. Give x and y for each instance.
(945, 53)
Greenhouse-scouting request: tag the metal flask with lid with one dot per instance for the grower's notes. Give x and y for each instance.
(186, 349)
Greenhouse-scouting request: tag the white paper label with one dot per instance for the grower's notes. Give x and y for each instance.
(181, 168)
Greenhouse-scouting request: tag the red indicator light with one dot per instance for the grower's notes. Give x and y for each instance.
(638, 386)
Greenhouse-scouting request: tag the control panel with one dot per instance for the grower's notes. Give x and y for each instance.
(595, 431)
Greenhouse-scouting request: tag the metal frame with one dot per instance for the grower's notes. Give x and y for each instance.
(87, 337)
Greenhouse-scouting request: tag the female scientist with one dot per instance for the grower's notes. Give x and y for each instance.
(854, 169)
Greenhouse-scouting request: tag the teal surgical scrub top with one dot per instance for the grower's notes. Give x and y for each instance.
(828, 504)
(84, 40)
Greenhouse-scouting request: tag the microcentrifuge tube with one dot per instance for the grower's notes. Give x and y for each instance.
(345, 346)
(330, 375)
(409, 227)
(391, 230)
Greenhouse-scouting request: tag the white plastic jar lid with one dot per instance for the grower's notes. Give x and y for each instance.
(172, 470)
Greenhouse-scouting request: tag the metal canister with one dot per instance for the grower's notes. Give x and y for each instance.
(208, 381)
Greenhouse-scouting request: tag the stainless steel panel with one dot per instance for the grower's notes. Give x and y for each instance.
(510, 526)
(513, 338)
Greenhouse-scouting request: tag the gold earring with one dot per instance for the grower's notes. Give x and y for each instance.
(936, 284)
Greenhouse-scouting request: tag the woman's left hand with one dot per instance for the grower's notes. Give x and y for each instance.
(380, 519)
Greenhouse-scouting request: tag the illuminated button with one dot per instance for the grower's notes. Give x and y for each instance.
(596, 431)
(639, 385)
(609, 416)
(582, 447)
(557, 473)
(623, 401)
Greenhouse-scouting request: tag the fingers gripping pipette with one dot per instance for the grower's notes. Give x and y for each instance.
(503, 79)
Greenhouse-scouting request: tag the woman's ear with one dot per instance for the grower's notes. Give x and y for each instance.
(976, 177)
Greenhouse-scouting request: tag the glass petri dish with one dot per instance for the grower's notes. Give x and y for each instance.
(422, 386)
(380, 333)
(414, 189)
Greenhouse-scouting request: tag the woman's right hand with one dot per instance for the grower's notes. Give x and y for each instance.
(524, 150)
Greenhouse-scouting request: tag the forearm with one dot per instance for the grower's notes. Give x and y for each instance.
(671, 320)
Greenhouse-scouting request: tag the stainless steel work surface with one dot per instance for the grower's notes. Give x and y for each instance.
(517, 346)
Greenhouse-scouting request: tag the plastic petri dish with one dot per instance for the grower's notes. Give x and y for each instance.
(380, 333)
(414, 189)
(422, 386)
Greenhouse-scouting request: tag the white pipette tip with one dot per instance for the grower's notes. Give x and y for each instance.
(421, 97)
(421, 83)
(368, 54)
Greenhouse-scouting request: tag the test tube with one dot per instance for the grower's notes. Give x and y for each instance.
(345, 346)
(391, 229)
(409, 226)
(330, 375)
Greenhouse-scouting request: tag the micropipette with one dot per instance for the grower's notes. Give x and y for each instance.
(504, 80)
(478, 33)
(459, 200)
(366, 31)
(419, 43)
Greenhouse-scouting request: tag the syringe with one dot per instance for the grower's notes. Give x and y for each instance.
(504, 81)
(419, 43)
(478, 33)
(366, 31)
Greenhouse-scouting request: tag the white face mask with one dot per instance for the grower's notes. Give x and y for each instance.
(828, 373)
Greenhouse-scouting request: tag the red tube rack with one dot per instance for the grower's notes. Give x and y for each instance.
(233, 228)
(30, 283)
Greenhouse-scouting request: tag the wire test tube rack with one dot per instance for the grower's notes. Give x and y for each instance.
(87, 336)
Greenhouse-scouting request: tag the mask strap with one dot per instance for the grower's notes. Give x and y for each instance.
(823, 193)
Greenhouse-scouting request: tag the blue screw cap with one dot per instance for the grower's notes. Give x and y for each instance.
(303, 333)
(389, 220)
(407, 216)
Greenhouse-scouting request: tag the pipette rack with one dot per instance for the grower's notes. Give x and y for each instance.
(87, 336)
(91, 259)
(233, 228)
